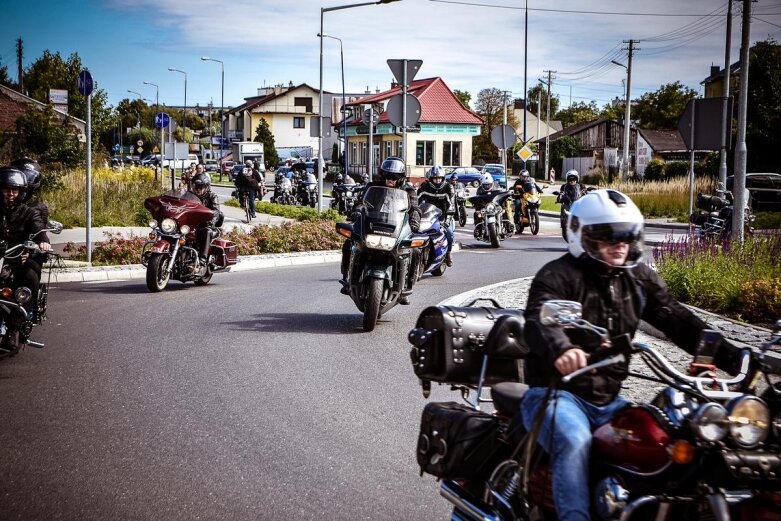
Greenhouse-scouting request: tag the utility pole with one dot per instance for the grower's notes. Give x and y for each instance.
(539, 113)
(547, 124)
(525, 68)
(739, 188)
(725, 117)
(627, 110)
(20, 69)
(503, 157)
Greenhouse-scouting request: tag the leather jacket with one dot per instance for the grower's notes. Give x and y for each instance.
(19, 222)
(433, 194)
(210, 200)
(615, 300)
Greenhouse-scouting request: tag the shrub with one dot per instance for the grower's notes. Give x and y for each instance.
(114, 250)
(289, 237)
(595, 178)
(761, 299)
(675, 169)
(654, 171)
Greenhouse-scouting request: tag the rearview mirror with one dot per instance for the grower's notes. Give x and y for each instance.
(560, 312)
(54, 226)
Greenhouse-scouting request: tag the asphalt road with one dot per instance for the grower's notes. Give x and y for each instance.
(255, 397)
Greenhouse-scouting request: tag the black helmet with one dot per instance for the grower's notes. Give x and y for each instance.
(436, 172)
(31, 170)
(454, 179)
(12, 177)
(393, 169)
(201, 180)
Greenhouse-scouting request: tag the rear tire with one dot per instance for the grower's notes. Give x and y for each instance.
(493, 236)
(205, 279)
(534, 223)
(372, 307)
(157, 275)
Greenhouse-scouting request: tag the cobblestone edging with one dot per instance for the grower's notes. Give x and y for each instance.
(513, 294)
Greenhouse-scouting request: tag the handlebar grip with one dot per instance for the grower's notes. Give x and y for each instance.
(615, 359)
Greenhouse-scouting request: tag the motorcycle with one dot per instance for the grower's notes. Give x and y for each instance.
(381, 249)
(460, 203)
(566, 200)
(431, 259)
(171, 250)
(306, 194)
(527, 207)
(344, 195)
(713, 221)
(706, 447)
(283, 190)
(491, 222)
(17, 306)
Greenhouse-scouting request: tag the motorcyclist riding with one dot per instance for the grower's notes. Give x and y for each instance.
(19, 223)
(572, 190)
(602, 271)
(201, 187)
(250, 181)
(32, 170)
(442, 195)
(518, 190)
(392, 174)
(486, 184)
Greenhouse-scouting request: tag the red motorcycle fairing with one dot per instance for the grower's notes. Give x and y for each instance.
(160, 247)
(185, 208)
(636, 439)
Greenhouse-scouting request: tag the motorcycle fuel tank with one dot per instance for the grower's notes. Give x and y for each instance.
(635, 439)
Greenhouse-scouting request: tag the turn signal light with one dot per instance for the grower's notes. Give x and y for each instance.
(152, 235)
(344, 231)
(682, 452)
(417, 243)
(181, 242)
(6, 293)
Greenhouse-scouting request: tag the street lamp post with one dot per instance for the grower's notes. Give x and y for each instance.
(222, 106)
(157, 111)
(184, 112)
(138, 115)
(324, 10)
(344, 98)
(625, 158)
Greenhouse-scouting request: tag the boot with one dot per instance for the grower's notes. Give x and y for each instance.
(449, 259)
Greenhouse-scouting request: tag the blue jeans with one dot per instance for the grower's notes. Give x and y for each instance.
(251, 201)
(449, 233)
(569, 445)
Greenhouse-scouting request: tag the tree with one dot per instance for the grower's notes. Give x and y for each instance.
(763, 129)
(540, 92)
(490, 106)
(464, 97)
(578, 112)
(5, 79)
(41, 135)
(566, 146)
(663, 108)
(263, 135)
(612, 112)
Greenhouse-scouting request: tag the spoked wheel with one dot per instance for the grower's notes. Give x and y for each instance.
(462, 215)
(157, 275)
(439, 271)
(371, 310)
(43, 298)
(534, 222)
(493, 235)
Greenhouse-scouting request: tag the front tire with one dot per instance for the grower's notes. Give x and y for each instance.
(157, 275)
(372, 307)
(462, 215)
(440, 270)
(475, 183)
(493, 236)
(534, 223)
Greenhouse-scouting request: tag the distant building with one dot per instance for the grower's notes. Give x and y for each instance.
(14, 104)
(535, 128)
(665, 145)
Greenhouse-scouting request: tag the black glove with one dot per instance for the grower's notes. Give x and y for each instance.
(414, 218)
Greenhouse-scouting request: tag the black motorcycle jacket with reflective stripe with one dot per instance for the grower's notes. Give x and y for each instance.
(616, 301)
(19, 222)
(432, 194)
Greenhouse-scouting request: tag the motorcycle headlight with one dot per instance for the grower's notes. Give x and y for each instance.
(168, 225)
(23, 295)
(709, 422)
(490, 208)
(348, 194)
(749, 420)
(380, 242)
(153, 224)
(184, 229)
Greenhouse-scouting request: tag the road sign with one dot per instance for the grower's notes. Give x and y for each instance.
(162, 120)
(525, 153)
(85, 84)
(155, 150)
(707, 122)
(395, 110)
(140, 150)
(371, 114)
(140, 142)
(503, 136)
(397, 67)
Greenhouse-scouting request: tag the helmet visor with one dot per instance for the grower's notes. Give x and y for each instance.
(596, 236)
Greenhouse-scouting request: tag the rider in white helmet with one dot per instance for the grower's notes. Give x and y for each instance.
(602, 271)
(486, 184)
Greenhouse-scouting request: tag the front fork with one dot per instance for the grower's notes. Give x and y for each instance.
(173, 258)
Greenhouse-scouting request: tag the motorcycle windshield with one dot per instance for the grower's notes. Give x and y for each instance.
(498, 196)
(529, 188)
(386, 207)
(310, 179)
(285, 183)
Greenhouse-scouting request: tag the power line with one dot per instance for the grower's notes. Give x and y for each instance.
(539, 9)
(765, 21)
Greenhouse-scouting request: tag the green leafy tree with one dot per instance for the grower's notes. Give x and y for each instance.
(612, 112)
(578, 112)
(540, 92)
(5, 79)
(566, 146)
(463, 96)
(490, 106)
(763, 129)
(41, 135)
(663, 108)
(263, 135)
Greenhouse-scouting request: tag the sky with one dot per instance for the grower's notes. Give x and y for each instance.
(470, 44)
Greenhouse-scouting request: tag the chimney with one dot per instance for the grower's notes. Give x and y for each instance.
(277, 89)
(715, 70)
(376, 89)
(367, 91)
(394, 84)
(290, 85)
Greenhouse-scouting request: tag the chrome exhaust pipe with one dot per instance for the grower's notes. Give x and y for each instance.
(474, 512)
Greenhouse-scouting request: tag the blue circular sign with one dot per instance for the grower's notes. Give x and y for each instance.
(162, 120)
(85, 83)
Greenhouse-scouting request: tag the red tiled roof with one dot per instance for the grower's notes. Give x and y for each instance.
(438, 104)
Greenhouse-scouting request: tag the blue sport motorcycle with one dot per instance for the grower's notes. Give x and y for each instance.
(431, 258)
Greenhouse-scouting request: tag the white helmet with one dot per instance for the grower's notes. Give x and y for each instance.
(487, 181)
(572, 173)
(605, 215)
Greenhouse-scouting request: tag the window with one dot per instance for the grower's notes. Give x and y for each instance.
(451, 153)
(424, 153)
(303, 102)
(298, 122)
(388, 148)
(354, 154)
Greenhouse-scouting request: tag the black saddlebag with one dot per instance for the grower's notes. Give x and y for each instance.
(459, 442)
(450, 344)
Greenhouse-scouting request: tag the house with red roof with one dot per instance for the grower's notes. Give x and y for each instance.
(442, 136)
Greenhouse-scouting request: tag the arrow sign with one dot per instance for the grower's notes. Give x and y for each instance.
(398, 67)
(85, 83)
(704, 114)
(395, 110)
(162, 120)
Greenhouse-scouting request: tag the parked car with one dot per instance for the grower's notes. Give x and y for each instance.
(211, 165)
(497, 172)
(479, 168)
(151, 160)
(227, 166)
(764, 190)
(466, 174)
(310, 167)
